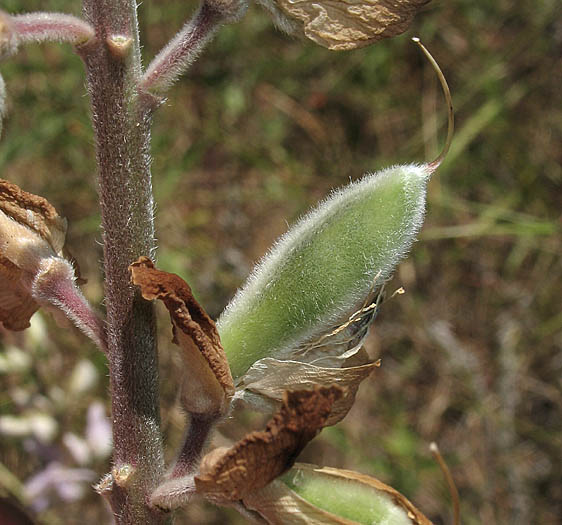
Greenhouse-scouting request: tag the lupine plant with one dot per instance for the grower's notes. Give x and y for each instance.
(290, 341)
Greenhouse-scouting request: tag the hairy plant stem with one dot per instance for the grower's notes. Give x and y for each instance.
(122, 131)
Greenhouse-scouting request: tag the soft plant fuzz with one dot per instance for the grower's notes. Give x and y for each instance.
(175, 58)
(51, 27)
(322, 269)
(41, 27)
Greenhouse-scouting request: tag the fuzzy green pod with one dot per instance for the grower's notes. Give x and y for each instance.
(329, 496)
(322, 269)
(325, 266)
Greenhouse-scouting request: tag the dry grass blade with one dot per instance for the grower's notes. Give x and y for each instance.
(450, 482)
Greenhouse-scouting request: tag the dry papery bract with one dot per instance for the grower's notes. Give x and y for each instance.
(31, 231)
(35, 212)
(343, 24)
(208, 384)
(335, 358)
(278, 503)
(342, 345)
(265, 383)
(232, 474)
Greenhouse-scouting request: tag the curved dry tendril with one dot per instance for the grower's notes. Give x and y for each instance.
(433, 165)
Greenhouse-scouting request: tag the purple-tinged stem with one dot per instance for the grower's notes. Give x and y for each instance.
(179, 487)
(53, 27)
(174, 59)
(55, 286)
(174, 493)
(200, 425)
(122, 133)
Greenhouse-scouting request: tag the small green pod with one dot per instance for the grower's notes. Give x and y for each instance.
(322, 270)
(328, 496)
(324, 267)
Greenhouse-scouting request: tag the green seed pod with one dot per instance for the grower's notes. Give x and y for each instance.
(325, 266)
(329, 496)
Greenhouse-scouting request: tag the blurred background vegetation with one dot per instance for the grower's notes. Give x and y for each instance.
(262, 127)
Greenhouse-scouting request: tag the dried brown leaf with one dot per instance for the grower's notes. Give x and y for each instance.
(16, 304)
(35, 212)
(208, 385)
(344, 24)
(262, 456)
(268, 379)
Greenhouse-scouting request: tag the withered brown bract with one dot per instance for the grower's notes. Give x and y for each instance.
(209, 386)
(264, 385)
(262, 456)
